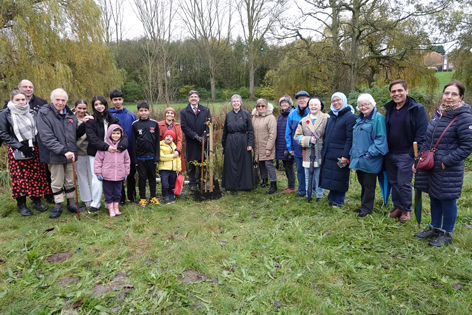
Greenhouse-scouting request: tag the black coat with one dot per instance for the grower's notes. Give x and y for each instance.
(96, 136)
(58, 135)
(238, 134)
(35, 103)
(337, 143)
(455, 146)
(192, 126)
(7, 134)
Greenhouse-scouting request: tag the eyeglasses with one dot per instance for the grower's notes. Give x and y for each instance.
(453, 94)
(364, 105)
(260, 106)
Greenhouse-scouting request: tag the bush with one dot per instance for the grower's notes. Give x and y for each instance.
(185, 89)
(267, 92)
(132, 91)
(243, 91)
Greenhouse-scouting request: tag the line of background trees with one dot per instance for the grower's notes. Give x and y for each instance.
(257, 48)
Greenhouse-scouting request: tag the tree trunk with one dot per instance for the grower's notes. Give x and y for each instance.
(354, 58)
(251, 77)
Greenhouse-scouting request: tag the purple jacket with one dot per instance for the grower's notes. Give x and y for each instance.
(112, 166)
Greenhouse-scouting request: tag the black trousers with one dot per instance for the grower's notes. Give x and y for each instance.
(193, 171)
(147, 171)
(130, 184)
(368, 183)
(112, 191)
(168, 182)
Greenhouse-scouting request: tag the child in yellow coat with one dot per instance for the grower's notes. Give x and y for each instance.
(169, 166)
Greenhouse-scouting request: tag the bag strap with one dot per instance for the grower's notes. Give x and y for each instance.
(437, 142)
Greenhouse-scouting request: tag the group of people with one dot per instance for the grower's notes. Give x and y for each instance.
(107, 147)
(47, 140)
(325, 147)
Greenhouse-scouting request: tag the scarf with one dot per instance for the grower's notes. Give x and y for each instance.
(343, 98)
(23, 123)
(170, 126)
(446, 108)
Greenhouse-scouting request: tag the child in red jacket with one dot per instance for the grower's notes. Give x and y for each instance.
(112, 167)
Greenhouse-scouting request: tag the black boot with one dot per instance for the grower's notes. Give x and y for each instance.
(22, 208)
(36, 203)
(444, 238)
(264, 183)
(72, 207)
(272, 189)
(430, 232)
(56, 211)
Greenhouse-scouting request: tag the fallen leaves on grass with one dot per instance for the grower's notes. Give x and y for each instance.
(74, 305)
(189, 276)
(66, 281)
(222, 243)
(59, 257)
(468, 225)
(48, 232)
(457, 286)
(3, 261)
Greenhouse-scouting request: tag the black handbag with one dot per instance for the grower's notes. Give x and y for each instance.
(256, 174)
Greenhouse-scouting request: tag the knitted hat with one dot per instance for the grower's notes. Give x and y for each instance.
(170, 132)
(286, 98)
(170, 109)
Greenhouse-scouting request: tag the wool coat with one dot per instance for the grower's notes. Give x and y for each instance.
(112, 166)
(177, 141)
(192, 126)
(280, 142)
(369, 143)
(337, 144)
(238, 134)
(305, 131)
(265, 132)
(455, 146)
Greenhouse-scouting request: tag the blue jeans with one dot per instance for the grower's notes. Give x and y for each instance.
(300, 175)
(316, 179)
(443, 214)
(336, 197)
(398, 167)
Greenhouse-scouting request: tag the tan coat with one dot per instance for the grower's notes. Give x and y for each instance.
(265, 133)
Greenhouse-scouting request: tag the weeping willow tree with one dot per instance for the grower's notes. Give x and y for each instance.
(55, 43)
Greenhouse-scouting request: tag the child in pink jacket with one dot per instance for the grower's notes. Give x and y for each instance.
(112, 167)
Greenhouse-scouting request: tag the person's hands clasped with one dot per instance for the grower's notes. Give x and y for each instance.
(70, 155)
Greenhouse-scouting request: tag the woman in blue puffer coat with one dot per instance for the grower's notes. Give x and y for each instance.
(369, 145)
(281, 152)
(444, 181)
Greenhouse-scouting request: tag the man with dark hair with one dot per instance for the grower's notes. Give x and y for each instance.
(58, 130)
(406, 122)
(126, 119)
(34, 101)
(193, 120)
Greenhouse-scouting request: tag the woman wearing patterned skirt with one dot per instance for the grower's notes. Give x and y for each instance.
(28, 175)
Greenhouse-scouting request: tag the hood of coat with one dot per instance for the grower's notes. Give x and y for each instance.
(269, 110)
(110, 131)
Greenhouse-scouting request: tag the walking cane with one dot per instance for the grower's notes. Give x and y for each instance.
(75, 185)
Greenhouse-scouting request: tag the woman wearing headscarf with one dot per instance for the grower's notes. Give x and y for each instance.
(369, 145)
(170, 124)
(237, 141)
(96, 130)
(281, 152)
(337, 145)
(28, 175)
(444, 181)
(310, 134)
(265, 132)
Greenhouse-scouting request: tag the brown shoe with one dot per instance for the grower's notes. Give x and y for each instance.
(396, 213)
(406, 215)
(288, 191)
(285, 188)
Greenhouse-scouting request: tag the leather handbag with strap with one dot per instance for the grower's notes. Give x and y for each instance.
(426, 159)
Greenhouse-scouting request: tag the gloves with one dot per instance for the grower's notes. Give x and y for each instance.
(198, 138)
(100, 177)
(27, 151)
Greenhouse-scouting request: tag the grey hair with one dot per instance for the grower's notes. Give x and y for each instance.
(236, 96)
(314, 99)
(53, 93)
(365, 97)
(16, 92)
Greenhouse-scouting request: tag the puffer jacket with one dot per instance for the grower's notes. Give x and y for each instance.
(167, 162)
(112, 166)
(307, 129)
(280, 142)
(292, 123)
(265, 132)
(369, 143)
(454, 147)
(57, 135)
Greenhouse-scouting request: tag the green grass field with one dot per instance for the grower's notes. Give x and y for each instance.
(245, 254)
(444, 78)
